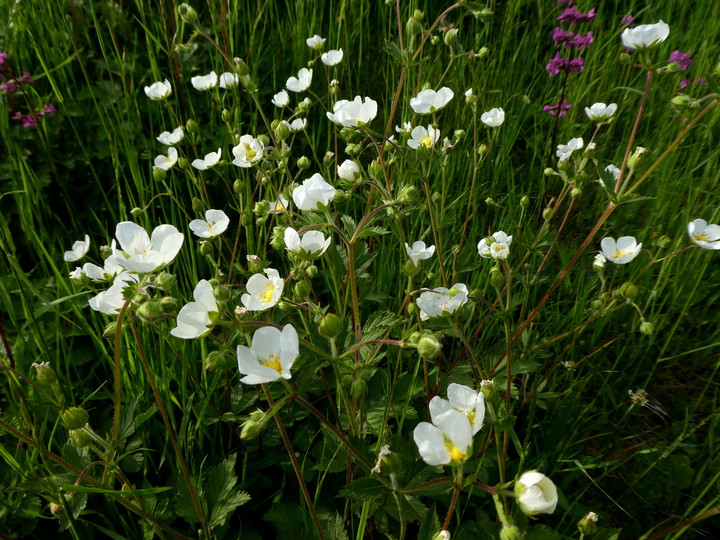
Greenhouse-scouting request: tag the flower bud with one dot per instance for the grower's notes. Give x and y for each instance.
(255, 264)
(352, 149)
(485, 14)
(358, 388)
(436, 197)
(252, 427)
(435, 40)
(303, 163)
(682, 101)
(482, 150)
(330, 326)
(636, 157)
(165, 281)
(109, 331)
(413, 26)
(587, 525)
(599, 263)
(206, 248)
(277, 238)
(150, 311)
(409, 268)
(429, 347)
(311, 271)
(80, 438)
(536, 493)
(220, 361)
(191, 126)
(302, 290)
(187, 13)
(488, 390)
(281, 131)
(497, 278)
(483, 52)
(45, 374)
(442, 535)
(388, 462)
(547, 213)
(246, 219)
(197, 205)
(74, 417)
(627, 291)
(525, 201)
(575, 192)
(647, 328)
(238, 185)
(510, 532)
(375, 169)
(406, 194)
(624, 58)
(450, 37)
(158, 175)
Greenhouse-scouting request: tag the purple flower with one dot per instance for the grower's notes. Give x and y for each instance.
(559, 109)
(697, 82)
(575, 65)
(49, 110)
(628, 20)
(573, 16)
(682, 60)
(559, 63)
(582, 41)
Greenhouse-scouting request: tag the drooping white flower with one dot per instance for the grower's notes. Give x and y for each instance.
(301, 82)
(645, 36)
(421, 136)
(195, 319)
(441, 301)
(215, 223)
(418, 252)
(536, 493)
(405, 129)
(248, 151)
(263, 292)
(615, 171)
(357, 112)
(622, 251)
(469, 93)
(228, 80)
(142, 253)
(332, 58)
(498, 249)
(170, 138)
(448, 440)
(158, 90)
(166, 162)
(462, 399)
(271, 355)
(311, 245)
(280, 205)
(281, 99)
(210, 160)
(564, 151)
(599, 112)
(111, 301)
(428, 101)
(493, 117)
(313, 193)
(704, 235)
(298, 124)
(348, 170)
(78, 250)
(204, 82)
(316, 42)
(599, 262)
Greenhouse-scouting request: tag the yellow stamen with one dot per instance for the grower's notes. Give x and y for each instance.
(455, 453)
(426, 141)
(266, 295)
(619, 254)
(273, 362)
(700, 237)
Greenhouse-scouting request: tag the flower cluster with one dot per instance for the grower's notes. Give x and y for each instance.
(577, 41)
(558, 64)
(559, 109)
(12, 85)
(572, 15)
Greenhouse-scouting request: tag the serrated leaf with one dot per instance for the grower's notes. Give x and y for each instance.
(363, 489)
(430, 525)
(393, 50)
(378, 323)
(373, 230)
(221, 494)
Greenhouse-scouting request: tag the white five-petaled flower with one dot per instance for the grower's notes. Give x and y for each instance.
(110, 269)
(262, 292)
(448, 440)
(271, 355)
(204, 82)
(111, 301)
(645, 36)
(313, 193)
(216, 221)
(169, 138)
(301, 82)
(248, 151)
(332, 58)
(280, 205)
(704, 235)
(441, 301)
(493, 117)
(158, 90)
(281, 99)
(78, 250)
(498, 249)
(166, 162)
(298, 124)
(311, 246)
(462, 399)
(348, 170)
(622, 251)
(316, 42)
(142, 253)
(418, 251)
(564, 151)
(599, 112)
(536, 493)
(428, 101)
(196, 319)
(357, 112)
(228, 80)
(210, 160)
(421, 136)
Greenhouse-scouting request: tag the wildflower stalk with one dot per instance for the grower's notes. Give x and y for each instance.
(436, 235)
(116, 371)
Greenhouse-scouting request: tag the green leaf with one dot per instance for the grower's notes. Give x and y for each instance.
(89, 489)
(221, 494)
(363, 489)
(378, 323)
(393, 50)
(430, 525)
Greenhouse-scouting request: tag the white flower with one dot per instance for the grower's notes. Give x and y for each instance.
(599, 262)
(217, 222)
(419, 252)
(448, 440)
(248, 151)
(313, 193)
(316, 42)
(406, 128)
(621, 252)
(462, 399)
(158, 90)
(78, 250)
(312, 245)
(421, 136)
(645, 36)
(612, 169)
(228, 80)
(205, 82)
(195, 319)
(301, 82)
(704, 235)
(564, 151)
(536, 493)
(271, 355)
(168, 139)
(493, 117)
(210, 160)
(142, 253)
(441, 301)
(332, 58)
(280, 205)
(296, 125)
(357, 112)
(111, 301)
(498, 249)
(469, 93)
(429, 101)
(166, 162)
(348, 170)
(262, 292)
(281, 99)
(599, 112)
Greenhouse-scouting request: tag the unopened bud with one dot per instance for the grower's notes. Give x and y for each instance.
(238, 185)
(191, 126)
(510, 532)
(624, 58)
(74, 417)
(277, 238)
(410, 269)
(255, 264)
(252, 427)
(487, 387)
(206, 248)
(388, 462)
(241, 67)
(482, 150)
(375, 169)
(450, 37)
(197, 205)
(575, 192)
(429, 347)
(647, 328)
(220, 361)
(413, 26)
(187, 13)
(681, 101)
(150, 311)
(311, 271)
(636, 157)
(442, 535)
(45, 374)
(588, 525)
(352, 149)
(525, 201)
(627, 290)
(486, 14)
(80, 438)
(497, 278)
(358, 388)
(165, 281)
(158, 175)
(302, 290)
(282, 131)
(330, 326)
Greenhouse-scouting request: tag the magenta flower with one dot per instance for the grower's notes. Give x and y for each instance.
(573, 16)
(558, 64)
(682, 60)
(559, 109)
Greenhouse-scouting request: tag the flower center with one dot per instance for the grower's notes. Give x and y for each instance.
(267, 294)
(273, 362)
(426, 141)
(700, 237)
(456, 455)
(618, 253)
(250, 153)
